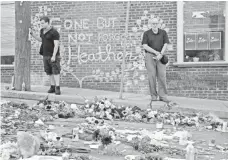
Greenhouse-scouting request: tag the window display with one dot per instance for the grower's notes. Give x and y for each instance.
(204, 31)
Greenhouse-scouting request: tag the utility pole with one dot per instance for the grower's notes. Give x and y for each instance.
(22, 45)
(124, 52)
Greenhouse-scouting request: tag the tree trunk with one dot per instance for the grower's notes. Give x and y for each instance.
(22, 45)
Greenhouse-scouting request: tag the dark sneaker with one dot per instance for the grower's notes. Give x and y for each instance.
(164, 100)
(52, 89)
(57, 90)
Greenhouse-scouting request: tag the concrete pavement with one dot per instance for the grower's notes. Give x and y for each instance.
(78, 96)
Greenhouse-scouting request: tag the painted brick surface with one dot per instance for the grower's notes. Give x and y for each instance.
(92, 40)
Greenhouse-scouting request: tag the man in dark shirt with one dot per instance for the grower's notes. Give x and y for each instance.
(155, 43)
(50, 51)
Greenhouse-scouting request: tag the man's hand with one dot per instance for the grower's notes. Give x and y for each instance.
(31, 32)
(34, 36)
(158, 57)
(157, 53)
(53, 59)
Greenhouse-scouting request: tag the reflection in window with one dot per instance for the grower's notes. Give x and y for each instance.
(204, 31)
(9, 60)
(7, 32)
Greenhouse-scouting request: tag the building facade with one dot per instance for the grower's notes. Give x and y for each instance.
(94, 40)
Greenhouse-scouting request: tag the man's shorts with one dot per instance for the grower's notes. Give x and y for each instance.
(51, 67)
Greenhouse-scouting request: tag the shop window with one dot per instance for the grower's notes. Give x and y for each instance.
(7, 33)
(204, 31)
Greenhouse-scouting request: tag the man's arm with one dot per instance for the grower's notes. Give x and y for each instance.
(165, 41)
(164, 49)
(55, 37)
(56, 46)
(36, 37)
(149, 49)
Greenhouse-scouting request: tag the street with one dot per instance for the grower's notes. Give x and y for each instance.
(200, 136)
(121, 80)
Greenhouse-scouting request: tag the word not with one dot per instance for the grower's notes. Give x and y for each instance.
(79, 37)
(100, 56)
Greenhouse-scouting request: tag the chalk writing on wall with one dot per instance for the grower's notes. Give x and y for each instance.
(74, 49)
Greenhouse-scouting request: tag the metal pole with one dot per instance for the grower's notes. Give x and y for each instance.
(124, 53)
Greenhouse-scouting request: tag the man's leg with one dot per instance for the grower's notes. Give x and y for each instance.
(48, 70)
(56, 72)
(52, 82)
(56, 79)
(151, 69)
(162, 88)
(57, 88)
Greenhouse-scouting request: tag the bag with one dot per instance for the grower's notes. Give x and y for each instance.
(164, 59)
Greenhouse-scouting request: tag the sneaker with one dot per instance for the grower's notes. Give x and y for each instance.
(164, 100)
(57, 90)
(52, 89)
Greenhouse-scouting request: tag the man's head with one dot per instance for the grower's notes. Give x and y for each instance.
(154, 23)
(44, 21)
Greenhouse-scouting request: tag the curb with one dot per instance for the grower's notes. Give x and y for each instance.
(24, 95)
(67, 98)
(80, 101)
(41, 96)
(161, 105)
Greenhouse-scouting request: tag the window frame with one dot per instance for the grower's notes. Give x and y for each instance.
(9, 66)
(180, 41)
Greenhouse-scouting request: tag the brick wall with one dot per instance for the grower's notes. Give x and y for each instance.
(199, 82)
(93, 31)
(6, 74)
(103, 32)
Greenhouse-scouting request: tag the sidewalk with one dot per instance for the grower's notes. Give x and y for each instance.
(78, 96)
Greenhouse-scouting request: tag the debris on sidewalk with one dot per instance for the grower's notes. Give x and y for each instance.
(105, 109)
(95, 133)
(28, 145)
(8, 149)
